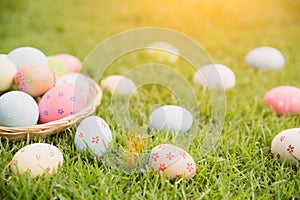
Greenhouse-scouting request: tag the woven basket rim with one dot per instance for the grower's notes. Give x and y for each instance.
(50, 128)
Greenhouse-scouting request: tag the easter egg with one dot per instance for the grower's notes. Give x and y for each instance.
(7, 72)
(215, 76)
(18, 109)
(164, 52)
(283, 100)
(265, 58)
(171, 117)
(171, 160)
(35, 79)
(72, 63)
(93, 133)
(27, 55)
(57, 65)
(59, 102)
(37, 159)
(77, 79)
(119, 85)
(286, 146)
(3, 56)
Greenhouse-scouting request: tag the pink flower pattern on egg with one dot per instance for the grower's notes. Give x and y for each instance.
(190, 167)
(290, 149)
(95, 139)
(286, 146)
(162, 167)
(170, 156)
(283, 100)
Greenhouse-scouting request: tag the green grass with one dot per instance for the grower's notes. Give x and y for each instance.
(240, 167)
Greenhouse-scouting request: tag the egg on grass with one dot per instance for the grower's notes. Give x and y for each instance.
(37, 159)
(284, 100)
(172, 118)
(215, 77)
(118, 85)
(171, 160)
(266, 58)
(93, 134)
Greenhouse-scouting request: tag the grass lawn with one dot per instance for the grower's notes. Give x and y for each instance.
(240, 167)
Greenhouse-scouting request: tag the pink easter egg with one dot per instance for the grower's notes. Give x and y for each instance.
(283, 100)
(72, 63)
(61, 101)
(171, 160)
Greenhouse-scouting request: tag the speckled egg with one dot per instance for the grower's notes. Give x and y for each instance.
(171, 160)
(7, 72)
(93, 133)
(59, 102)
(35, 79)
(286, 146)
(119, 85)
(283, 100)
(18, 109)
(72, 63)
(265, 57)
(215, 76)
(37, 159)
(27, 55)
(172, 118)
(57, 65)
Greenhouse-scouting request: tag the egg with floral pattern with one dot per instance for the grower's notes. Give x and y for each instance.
(171, 160)
(35, 79)
(59, 102)
(94, 134)
(286, 146)
(283, 100)
(37, 159)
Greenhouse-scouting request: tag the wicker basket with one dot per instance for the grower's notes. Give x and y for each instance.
(44, 130)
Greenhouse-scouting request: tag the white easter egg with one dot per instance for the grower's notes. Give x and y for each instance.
(74, 78)
(18, 109)
(286, 145)
(3, 55)
(265, 58)
(118, 85)
(171, 160)
(93, 133)
(27, 55)
(215, 76)
(163, 54)
(7, 72)
(171, 117)
(37, 159)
